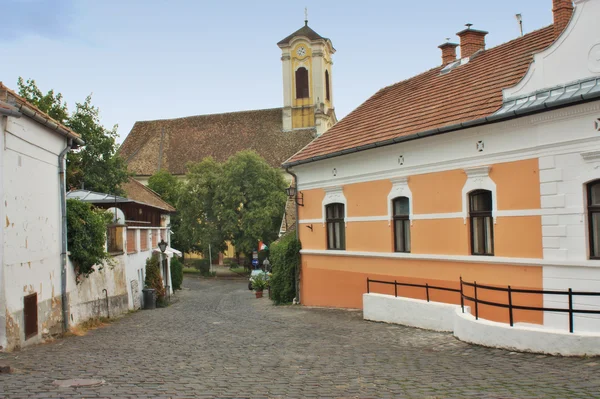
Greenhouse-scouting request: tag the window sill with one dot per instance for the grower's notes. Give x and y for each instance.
(116, 253)
(132, 252)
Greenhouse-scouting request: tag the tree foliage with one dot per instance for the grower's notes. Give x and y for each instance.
(96, 166)
(86, 232)
(285, 260)
(241, 200)
(176, 273)
(166, 185)
(200, 209)
(252, 197)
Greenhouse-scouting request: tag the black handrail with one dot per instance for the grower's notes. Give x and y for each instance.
(509, 290)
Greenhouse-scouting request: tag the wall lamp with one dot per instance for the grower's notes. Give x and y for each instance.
(292, 192)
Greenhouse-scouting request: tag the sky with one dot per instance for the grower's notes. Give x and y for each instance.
(151, 59)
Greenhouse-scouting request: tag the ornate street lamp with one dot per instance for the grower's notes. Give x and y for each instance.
(292, 192)
(162, 245)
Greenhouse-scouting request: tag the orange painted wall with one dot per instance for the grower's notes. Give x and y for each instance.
(315, 239)
(369, 236)
(440, 236)
(340, 282)
(439, 192)
(518, 237)
(517, 184)
(313, 203)
(368, 199)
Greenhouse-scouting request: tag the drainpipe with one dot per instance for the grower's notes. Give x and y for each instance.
(296, 274)
(63, 252)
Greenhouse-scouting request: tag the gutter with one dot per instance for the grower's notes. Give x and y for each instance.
(63, 252)
(50, 124)
(10, 112)
(487, 120)
(296, 274)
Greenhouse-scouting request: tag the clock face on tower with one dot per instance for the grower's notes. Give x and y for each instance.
(301, 51)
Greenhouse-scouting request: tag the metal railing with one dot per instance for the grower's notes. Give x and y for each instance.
(395, 283)
(508, 290)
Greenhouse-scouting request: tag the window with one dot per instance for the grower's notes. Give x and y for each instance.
(336, 230)
(131, 238)
(302, 83)
(154, 238)
(114, 239)
(482, 223)
(143, 240)
(401, 225)
(327, 94)
(593, 203)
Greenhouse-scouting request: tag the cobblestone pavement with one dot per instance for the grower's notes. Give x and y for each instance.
(218, 341)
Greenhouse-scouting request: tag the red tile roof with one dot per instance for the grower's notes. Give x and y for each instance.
(433, 100)
(16, 100)
(136, 191)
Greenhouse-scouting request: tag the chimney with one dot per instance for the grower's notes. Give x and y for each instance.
(562, 11)
(471, 41)
(448, 52)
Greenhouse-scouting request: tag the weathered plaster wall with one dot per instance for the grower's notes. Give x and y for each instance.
(31, 227)
(87, 299)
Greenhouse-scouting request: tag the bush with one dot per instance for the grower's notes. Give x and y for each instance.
(176, 273)
(203, 266)
(153, 278)
(285, 260)
(86, 236)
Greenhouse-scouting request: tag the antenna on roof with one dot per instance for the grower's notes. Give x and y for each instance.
(468, 26)
(520, 21)
(305, 16)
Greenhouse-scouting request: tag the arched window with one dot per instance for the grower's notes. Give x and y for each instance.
(593, 206)
(327, 93)
(336, 229)
(302, 83)
(401, 224)
(482, 223)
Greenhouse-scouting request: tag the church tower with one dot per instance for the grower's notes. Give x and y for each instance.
(307, 81)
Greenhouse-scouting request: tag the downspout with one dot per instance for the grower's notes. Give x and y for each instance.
(63, 252)
(297, 273)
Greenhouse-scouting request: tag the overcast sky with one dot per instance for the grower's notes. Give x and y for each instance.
(150, 59)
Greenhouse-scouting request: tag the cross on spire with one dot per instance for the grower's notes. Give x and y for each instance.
(306, 16)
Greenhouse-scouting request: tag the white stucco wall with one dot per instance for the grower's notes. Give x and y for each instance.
(524, 338)
(435, 316)
(31, 226)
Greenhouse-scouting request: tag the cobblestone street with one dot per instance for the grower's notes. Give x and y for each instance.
(218, 341)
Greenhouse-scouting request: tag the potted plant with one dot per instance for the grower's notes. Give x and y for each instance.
(259, 284)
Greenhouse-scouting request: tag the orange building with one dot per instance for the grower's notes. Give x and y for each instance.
(483, 168)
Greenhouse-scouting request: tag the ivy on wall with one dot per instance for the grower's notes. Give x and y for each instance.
(86, 236)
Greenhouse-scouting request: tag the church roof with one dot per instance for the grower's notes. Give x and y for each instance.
(305, 31)
(172, 143)
(432, 102)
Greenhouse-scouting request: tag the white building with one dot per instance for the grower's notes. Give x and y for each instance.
(32, 270)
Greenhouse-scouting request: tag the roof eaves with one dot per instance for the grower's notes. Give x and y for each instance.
(494, 118)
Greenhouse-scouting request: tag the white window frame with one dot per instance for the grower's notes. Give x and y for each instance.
(478, 178)
(399, 189)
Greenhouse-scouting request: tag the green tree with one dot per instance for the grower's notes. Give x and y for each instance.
(50, 103)
(96, 166)
(154, 279)
(199, 208)
(86, 232)
(170, 189)
(285, 260)
(166, 185)
(252, 198)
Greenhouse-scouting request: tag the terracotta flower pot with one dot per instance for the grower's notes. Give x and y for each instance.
(258, 294)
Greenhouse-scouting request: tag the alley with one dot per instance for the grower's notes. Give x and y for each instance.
(217, 340)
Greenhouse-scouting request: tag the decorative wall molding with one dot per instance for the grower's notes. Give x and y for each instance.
(478, 178)
(334, 195)
(457, 215)
(533, 262)
(399, 189)
(591, 156)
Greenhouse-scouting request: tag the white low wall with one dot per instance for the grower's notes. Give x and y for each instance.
(524, 338)
(435, 316)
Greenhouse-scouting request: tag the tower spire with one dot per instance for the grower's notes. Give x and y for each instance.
(305, 16)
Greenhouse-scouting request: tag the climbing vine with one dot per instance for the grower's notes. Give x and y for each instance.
(86, 236)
